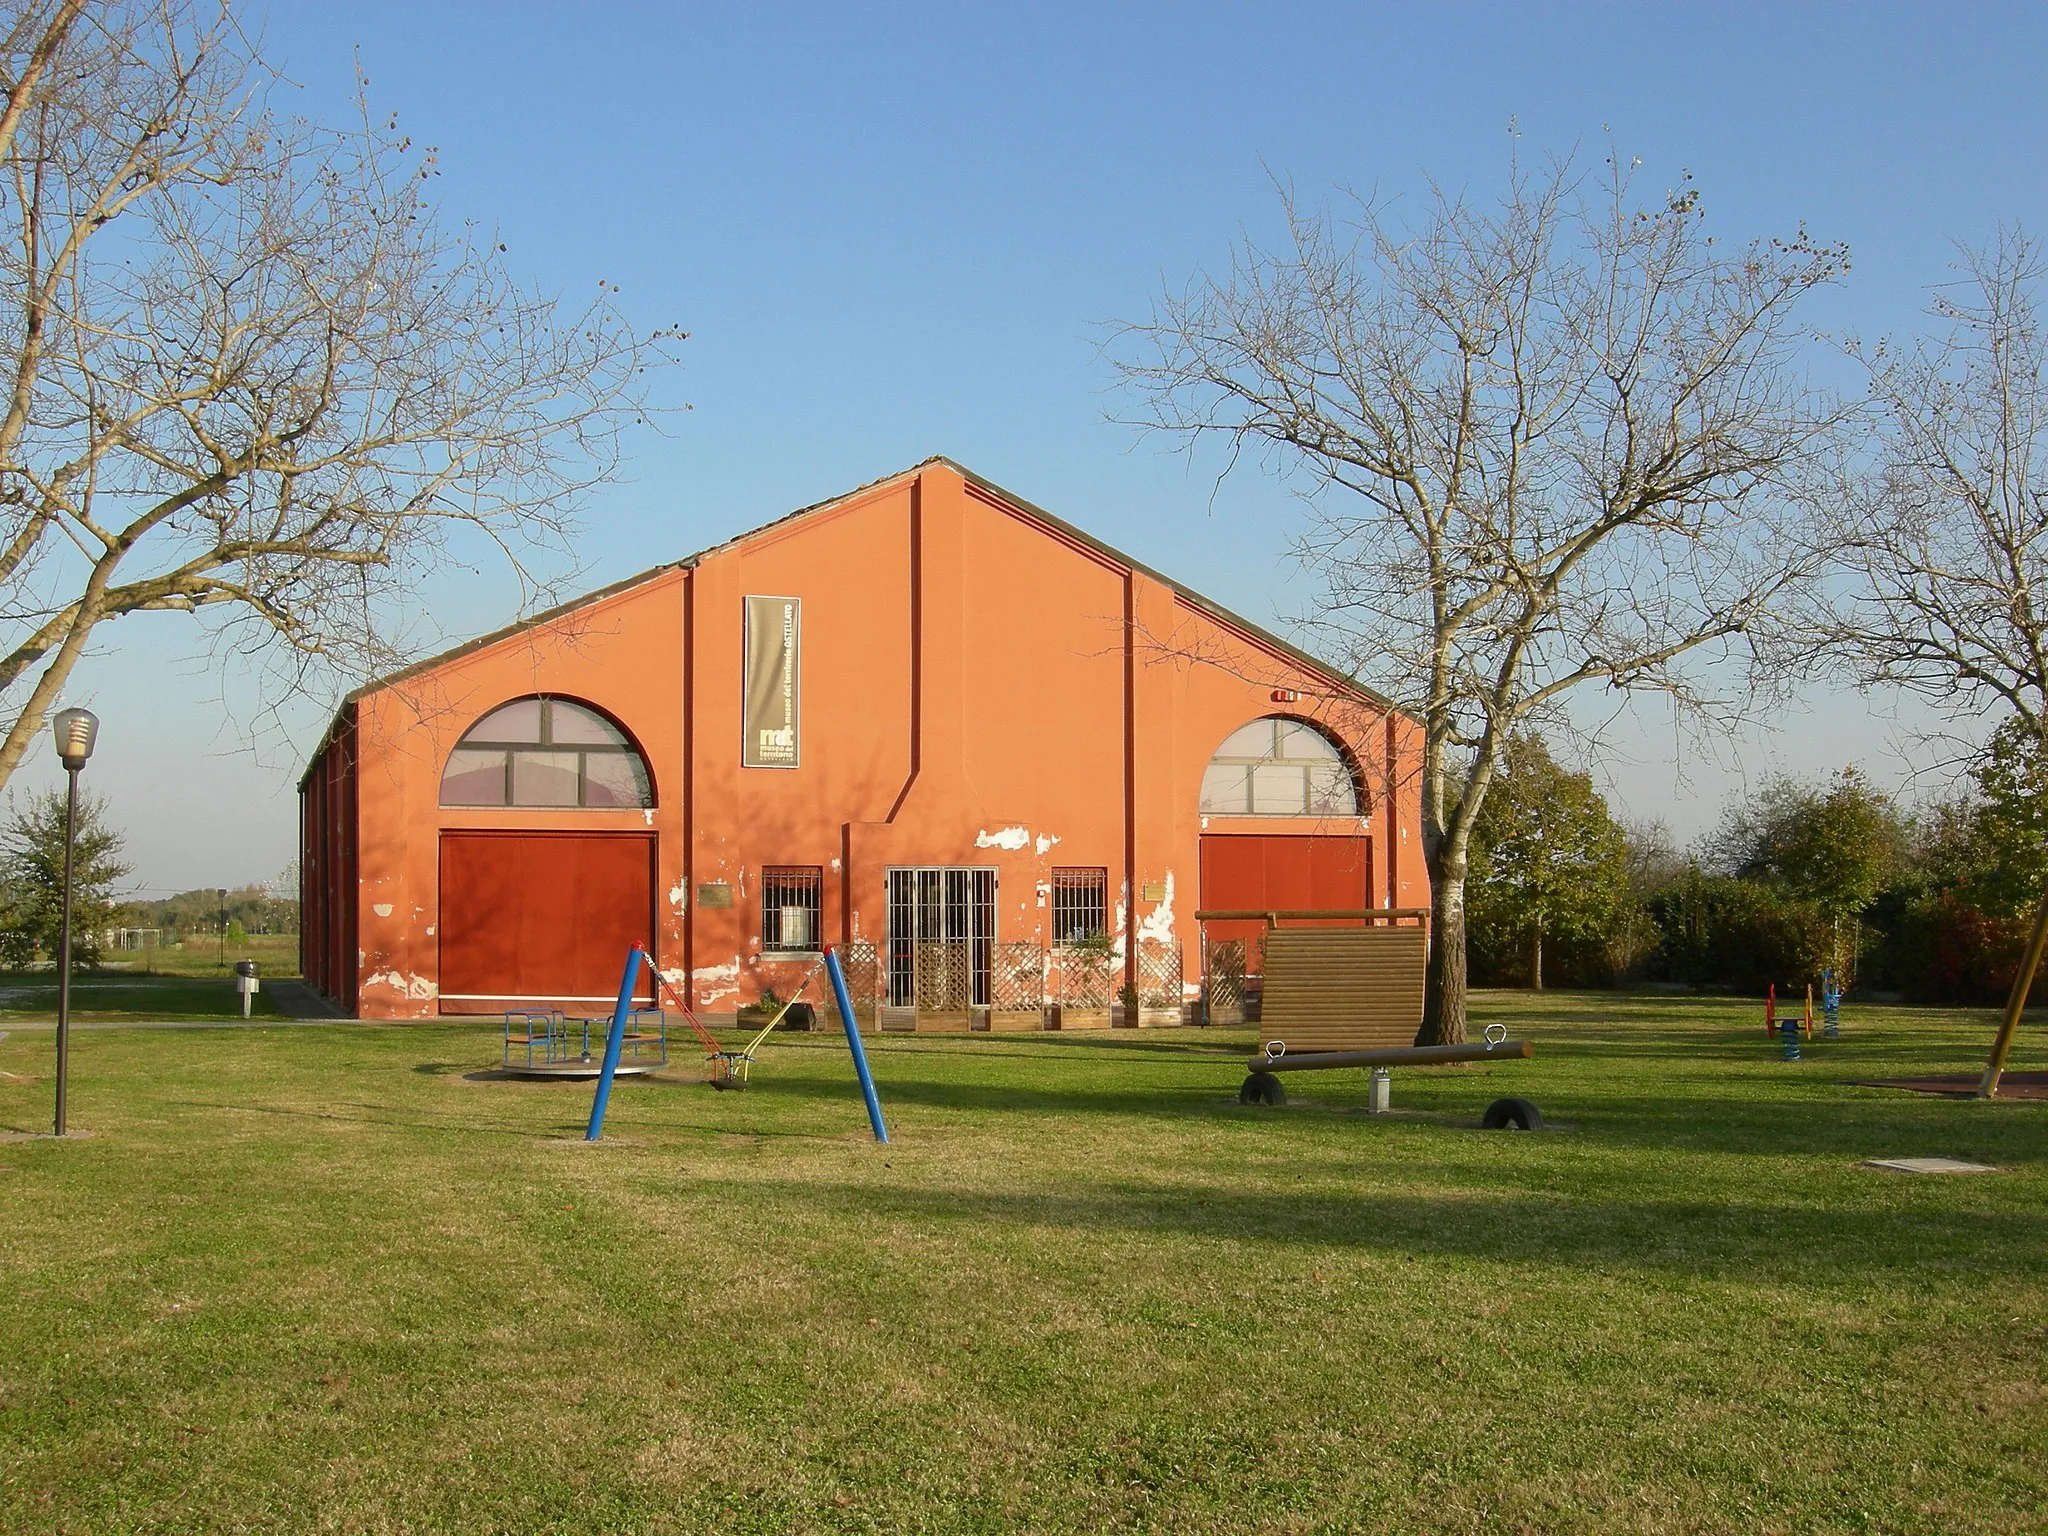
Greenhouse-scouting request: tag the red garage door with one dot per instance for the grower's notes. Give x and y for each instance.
(1275, 873)
(541, 917)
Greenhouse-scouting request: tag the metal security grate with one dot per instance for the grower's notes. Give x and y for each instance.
(1080, 904)
(942, 928)
(791, 908)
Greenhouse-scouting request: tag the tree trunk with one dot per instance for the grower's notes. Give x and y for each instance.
(1443, 985)
(1536, 958)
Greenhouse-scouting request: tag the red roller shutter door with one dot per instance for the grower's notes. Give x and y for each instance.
(541, 917)
(1278, 872)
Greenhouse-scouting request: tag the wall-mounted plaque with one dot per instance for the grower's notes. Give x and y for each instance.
(714, 894)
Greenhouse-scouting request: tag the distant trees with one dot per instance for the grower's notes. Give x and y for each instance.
(32, 877)
(1549, 866)
(1957, 919)
(1830, 850)
(197, 913)
(1799, 878)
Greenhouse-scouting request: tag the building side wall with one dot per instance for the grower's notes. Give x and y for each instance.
(328, 865)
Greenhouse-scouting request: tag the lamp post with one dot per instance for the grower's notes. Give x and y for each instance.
(76, 730)
(222, 893)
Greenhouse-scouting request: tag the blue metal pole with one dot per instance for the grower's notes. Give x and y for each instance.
(860, 1057)
(611, 1046)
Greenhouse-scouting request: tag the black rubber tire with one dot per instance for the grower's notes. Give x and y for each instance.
(1262, 1088)
(1512, 1115)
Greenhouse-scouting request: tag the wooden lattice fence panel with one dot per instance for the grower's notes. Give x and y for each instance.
(1016, 986)
(1223, 981)
(1083, 985)
(862, 963)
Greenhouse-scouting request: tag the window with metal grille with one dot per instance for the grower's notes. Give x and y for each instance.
(791, 908)
(1080, 905)
(942, 929)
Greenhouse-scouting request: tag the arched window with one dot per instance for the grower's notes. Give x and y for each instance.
(1278, 767)
(546, 752)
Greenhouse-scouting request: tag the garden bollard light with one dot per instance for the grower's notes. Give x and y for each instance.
(1379, 1098)
(246, 983)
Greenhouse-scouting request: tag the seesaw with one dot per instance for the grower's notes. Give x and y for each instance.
(1347, 992)
(1263, 1085)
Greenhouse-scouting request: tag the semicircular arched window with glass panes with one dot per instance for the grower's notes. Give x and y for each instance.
(1278, 767)
(550, 754)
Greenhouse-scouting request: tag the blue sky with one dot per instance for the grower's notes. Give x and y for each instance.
(895, 231)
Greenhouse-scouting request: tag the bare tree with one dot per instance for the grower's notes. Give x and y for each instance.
(1945, 528)
(1540, 444)
(246, 370)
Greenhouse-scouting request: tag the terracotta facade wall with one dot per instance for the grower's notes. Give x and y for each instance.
(978, 689)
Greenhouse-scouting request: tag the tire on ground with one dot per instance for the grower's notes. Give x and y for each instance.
(1512, 1115)
(1262, 1088)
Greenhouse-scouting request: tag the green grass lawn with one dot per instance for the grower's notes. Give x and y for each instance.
(327, 1279)
(120, 997)
(178, 983)
(276, 953)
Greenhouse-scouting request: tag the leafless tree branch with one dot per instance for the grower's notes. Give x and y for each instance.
(1544, 445)
(247, 369)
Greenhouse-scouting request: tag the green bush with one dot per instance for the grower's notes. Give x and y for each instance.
(1743, 935)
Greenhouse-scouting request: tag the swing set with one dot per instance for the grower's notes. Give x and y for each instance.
(728, 1068)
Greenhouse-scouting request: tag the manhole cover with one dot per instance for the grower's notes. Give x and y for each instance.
(1927, 1165)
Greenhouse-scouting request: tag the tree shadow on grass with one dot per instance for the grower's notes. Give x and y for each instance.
(1752, 1241)
(1825, 1118)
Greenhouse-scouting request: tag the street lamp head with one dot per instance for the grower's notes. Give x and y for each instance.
(76, 730)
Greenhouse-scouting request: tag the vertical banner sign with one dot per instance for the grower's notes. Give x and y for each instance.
(774, 683)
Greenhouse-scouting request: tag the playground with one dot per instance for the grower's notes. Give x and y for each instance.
(348, 1278)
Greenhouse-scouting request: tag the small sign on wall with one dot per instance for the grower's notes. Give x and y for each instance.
(771, 710)
(715, 893)
(1155, 890)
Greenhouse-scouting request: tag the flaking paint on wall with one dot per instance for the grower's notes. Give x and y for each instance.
(419, 989)
(715, 983)
(1156, 926)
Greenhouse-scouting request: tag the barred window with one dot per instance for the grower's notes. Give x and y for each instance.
(790, 908)
(1080, 904)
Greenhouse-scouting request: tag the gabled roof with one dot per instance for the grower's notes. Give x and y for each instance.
(1215, 610)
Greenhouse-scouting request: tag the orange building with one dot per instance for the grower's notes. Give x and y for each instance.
(998, 762)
